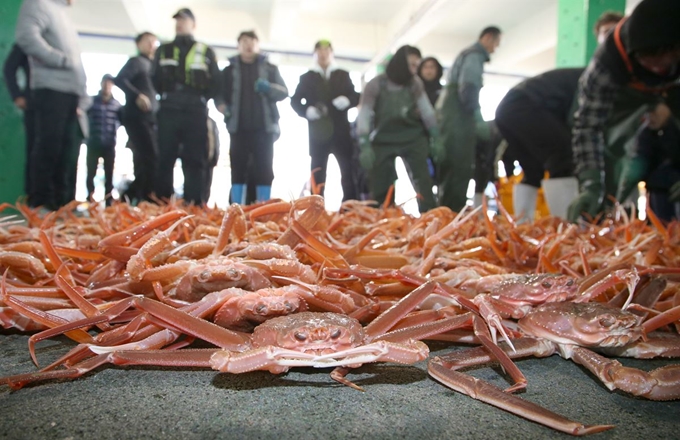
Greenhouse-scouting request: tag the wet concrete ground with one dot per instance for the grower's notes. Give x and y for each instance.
(398, 402)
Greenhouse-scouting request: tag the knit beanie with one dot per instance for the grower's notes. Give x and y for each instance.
(653, 24)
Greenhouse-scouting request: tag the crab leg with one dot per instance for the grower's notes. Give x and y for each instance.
(443, 369)
(390, 317)
(126, 237)
(408, 352)
(660, 384)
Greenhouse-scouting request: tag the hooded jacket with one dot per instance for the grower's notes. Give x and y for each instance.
(652, 25)
(434, 87)
(47, 35)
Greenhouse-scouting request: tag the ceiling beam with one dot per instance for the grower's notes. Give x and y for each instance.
(411, 24)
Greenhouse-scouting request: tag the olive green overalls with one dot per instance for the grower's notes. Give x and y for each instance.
(400, 132)
(459, 136)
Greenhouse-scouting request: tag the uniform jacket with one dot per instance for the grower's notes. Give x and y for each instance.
(319, 89)
(46, 34)
(178, 94)
(231, 93)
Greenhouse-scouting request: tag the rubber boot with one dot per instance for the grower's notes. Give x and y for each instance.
(238, 193)
(559, 193)
(524, 202)
(263, 192)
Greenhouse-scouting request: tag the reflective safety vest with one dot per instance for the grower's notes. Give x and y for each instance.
(195, 74)
(635, 83)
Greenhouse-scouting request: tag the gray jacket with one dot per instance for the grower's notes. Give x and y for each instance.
(466, 74)
(47, 35)
(231, 93)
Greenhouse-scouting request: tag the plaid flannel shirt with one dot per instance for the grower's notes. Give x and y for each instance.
(596, 93)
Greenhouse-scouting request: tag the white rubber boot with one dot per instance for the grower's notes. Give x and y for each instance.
(559, 193)
(524, 202)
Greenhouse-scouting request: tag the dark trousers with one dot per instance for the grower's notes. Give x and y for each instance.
(144, 146)
(342, 149)
(252, 155)
(55, 121)
(189, 129)
(540, 140)
(485, 154)
(29, 129)
(108, 154)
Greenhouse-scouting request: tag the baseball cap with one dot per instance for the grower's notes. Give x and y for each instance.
(186, 13)
(323, 44)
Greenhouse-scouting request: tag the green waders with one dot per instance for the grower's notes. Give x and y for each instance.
(399, 132)
(459, 136)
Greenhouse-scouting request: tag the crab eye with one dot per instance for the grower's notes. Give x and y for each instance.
(261, 309)
(289, 306)
(233, 274)
(570, 283)
(204, 276)
(546, 284)
(336, 334)
(300, 336)
(607, 320)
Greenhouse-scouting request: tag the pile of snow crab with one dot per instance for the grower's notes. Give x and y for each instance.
(280, 285)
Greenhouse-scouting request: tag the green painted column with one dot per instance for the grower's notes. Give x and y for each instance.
(12, 143)
(576, 41)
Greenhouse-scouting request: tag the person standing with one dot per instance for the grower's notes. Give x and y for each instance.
(46, 34)
(104, 119)
(17, 61)
(636, 68)
(535, 118)
(461, 119)
(606, 23)
(186, 76)
(328, 92)
(430, 72)
(404, 125)
(251, 88)
(213, 154)
(139, 115)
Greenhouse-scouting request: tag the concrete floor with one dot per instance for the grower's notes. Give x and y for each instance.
(399, 402)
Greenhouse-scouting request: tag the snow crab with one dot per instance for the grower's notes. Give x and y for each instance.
(573, 330)
(308, 339)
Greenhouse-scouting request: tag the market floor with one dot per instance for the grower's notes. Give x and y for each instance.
(398, 402)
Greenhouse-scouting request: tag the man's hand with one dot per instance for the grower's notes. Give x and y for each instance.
(657, 118)
(591, 194)
(341, 102)
(367, 155)
(20, 102)
(313, 113)
(143, 102)
(262, 86)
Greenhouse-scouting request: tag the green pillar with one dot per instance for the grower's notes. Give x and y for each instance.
(12, 143)
(576, 41)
